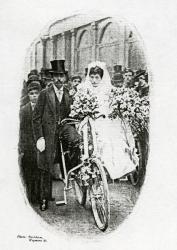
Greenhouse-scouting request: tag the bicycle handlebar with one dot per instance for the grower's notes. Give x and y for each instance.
(102, 115)
(74, 121)
(68, 120)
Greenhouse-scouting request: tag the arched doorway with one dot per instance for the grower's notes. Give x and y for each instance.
(49, 53)
(136, 57)
(83, 52)
(108, 47)
(39, 56)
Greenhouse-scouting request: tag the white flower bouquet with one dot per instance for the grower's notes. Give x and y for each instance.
(85, 104)
(129, 106)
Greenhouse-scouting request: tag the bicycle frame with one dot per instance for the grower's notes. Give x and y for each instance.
(83, 128)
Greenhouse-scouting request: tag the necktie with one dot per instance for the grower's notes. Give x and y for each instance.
(60, 94)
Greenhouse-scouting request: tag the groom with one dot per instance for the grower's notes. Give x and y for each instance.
(53, 106)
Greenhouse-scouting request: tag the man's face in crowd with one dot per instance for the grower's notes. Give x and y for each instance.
(33, 95)
(141, 79)
(118, 84)
(59, 80)
(128, 76)
(48, 83)
(76, 82)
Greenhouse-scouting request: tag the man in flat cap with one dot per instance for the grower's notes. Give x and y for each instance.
(32, 76)
(53, 106)
(27, 147)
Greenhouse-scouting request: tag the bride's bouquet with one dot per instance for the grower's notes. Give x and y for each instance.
(129, 106)
(85, 104)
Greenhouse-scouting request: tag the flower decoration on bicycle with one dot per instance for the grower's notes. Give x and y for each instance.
(127, 104)
(85, 104)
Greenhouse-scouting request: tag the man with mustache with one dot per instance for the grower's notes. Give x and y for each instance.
(52, 107)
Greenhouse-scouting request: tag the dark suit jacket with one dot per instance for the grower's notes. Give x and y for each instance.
(27, 141)
(24, 100)
(45, 124)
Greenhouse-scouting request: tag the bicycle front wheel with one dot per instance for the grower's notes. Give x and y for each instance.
(99, 195)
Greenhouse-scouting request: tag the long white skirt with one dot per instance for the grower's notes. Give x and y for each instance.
(116, 146)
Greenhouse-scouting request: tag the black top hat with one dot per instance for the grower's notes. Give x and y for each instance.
(58, 67)
(118, 77)
(117, 68)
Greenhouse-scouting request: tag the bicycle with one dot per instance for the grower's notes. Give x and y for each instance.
(89, 176)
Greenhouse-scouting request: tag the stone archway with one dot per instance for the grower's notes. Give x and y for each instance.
(83, 51)
(108, 47)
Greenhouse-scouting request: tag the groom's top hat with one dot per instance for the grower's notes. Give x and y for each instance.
(58, 67)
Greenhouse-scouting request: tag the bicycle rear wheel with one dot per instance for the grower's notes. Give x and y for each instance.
(136, 177)
(99, 195)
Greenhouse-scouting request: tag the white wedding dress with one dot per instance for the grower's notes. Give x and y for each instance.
(115, 140)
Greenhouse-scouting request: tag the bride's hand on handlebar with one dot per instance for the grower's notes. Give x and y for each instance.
(100, 116)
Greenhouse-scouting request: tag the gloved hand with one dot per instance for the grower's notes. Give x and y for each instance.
(40, 144)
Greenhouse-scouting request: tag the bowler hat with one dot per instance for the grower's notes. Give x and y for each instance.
(76, 77)
(32, 78)
(58, 67)
(33, 72)
(126, 70)
(45, 73)
(34, 85)
(139, 73)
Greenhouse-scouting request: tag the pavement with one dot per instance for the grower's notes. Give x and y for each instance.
(78, 221)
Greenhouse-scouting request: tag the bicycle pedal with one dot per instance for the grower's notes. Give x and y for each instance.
(66, 152)
(69, 188)
(60, 203)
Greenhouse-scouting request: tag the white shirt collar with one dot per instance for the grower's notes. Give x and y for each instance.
(58, 92)
(33, 105)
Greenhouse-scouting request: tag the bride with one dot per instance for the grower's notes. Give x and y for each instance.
(115, 140)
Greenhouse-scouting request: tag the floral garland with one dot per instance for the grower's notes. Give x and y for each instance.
(128, 105)
(85, 104)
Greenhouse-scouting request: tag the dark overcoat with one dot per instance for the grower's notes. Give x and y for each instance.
(27, 140)
(27, 146)
(45, 124)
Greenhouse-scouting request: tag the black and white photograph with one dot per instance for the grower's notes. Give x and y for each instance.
(84, 123)
(88, 125)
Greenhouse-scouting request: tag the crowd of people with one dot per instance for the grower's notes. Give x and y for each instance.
(46, 100)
